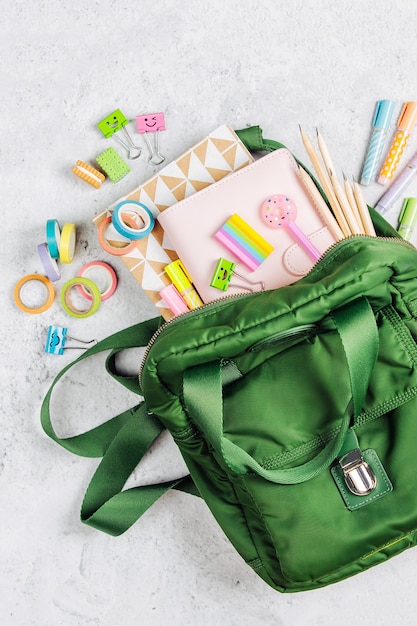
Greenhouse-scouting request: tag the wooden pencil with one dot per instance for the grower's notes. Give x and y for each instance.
(337, 188)
(351, 199)
(324, 210)
(364, 211)
(344, 204)
(325, 183)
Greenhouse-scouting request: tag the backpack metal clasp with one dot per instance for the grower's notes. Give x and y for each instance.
(358, 474)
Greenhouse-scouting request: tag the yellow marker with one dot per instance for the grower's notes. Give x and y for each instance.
(182, 281)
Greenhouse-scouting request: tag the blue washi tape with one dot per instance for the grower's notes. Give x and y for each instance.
(53, 237)
(129, 207)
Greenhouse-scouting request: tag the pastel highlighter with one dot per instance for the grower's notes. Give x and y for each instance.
(280, 211)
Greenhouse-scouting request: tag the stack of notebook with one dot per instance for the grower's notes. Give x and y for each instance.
(215, 157)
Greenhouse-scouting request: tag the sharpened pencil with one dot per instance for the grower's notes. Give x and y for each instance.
(352, 201)
(337, 188)
(324, 210)
(325, 183)
(364, 211)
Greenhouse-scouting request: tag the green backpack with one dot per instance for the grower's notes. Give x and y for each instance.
(295, 411)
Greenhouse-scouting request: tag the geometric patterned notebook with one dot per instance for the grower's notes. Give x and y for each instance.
(217, 155)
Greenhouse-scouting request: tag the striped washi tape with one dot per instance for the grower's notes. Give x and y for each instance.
(244, 242)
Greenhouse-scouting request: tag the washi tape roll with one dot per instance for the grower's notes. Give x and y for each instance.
(53, 237)
(49, 264)
(67, 243)
(105, 244)
(69, 306)
(109, 273)
(50, 294)
(139, 209)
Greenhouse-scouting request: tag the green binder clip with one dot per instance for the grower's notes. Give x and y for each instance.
(223, 273)
(116, 123)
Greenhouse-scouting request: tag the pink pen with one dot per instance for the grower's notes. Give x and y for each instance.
(405, 125)
(280, 211)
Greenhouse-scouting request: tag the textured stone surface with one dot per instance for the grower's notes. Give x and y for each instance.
(64, 67)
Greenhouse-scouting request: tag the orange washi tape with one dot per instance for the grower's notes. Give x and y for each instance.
(104, 243)
(50, 293)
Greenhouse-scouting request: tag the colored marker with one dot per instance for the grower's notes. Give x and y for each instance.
(397, 188)
(408, 218)
(405, 125)
(174, 300)
(182, 281)
(380, 125)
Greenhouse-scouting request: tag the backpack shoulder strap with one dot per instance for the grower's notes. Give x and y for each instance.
(121, 442)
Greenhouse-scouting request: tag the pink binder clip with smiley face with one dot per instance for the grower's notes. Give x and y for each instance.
(152, 123)
(280, 211)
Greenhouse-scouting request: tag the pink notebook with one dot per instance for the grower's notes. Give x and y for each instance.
(230, 220)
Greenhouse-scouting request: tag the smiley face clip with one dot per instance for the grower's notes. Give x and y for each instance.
(114, 125)
(152, 123)
(57, 338)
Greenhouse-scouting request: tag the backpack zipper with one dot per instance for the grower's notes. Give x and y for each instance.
(326, 253)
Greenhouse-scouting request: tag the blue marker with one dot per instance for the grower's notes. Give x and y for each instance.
(380, 123)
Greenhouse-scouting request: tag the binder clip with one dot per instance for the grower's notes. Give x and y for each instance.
(116, 123)
(152, 123)
(223, 274)
(57, 338)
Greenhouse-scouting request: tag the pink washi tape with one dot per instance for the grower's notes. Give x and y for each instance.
(110, 276)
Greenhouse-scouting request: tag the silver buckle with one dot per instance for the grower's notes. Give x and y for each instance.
(359, 476)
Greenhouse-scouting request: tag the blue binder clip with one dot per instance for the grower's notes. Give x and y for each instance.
(57, 338)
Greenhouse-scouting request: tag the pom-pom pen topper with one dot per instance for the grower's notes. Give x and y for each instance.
(280, 211)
